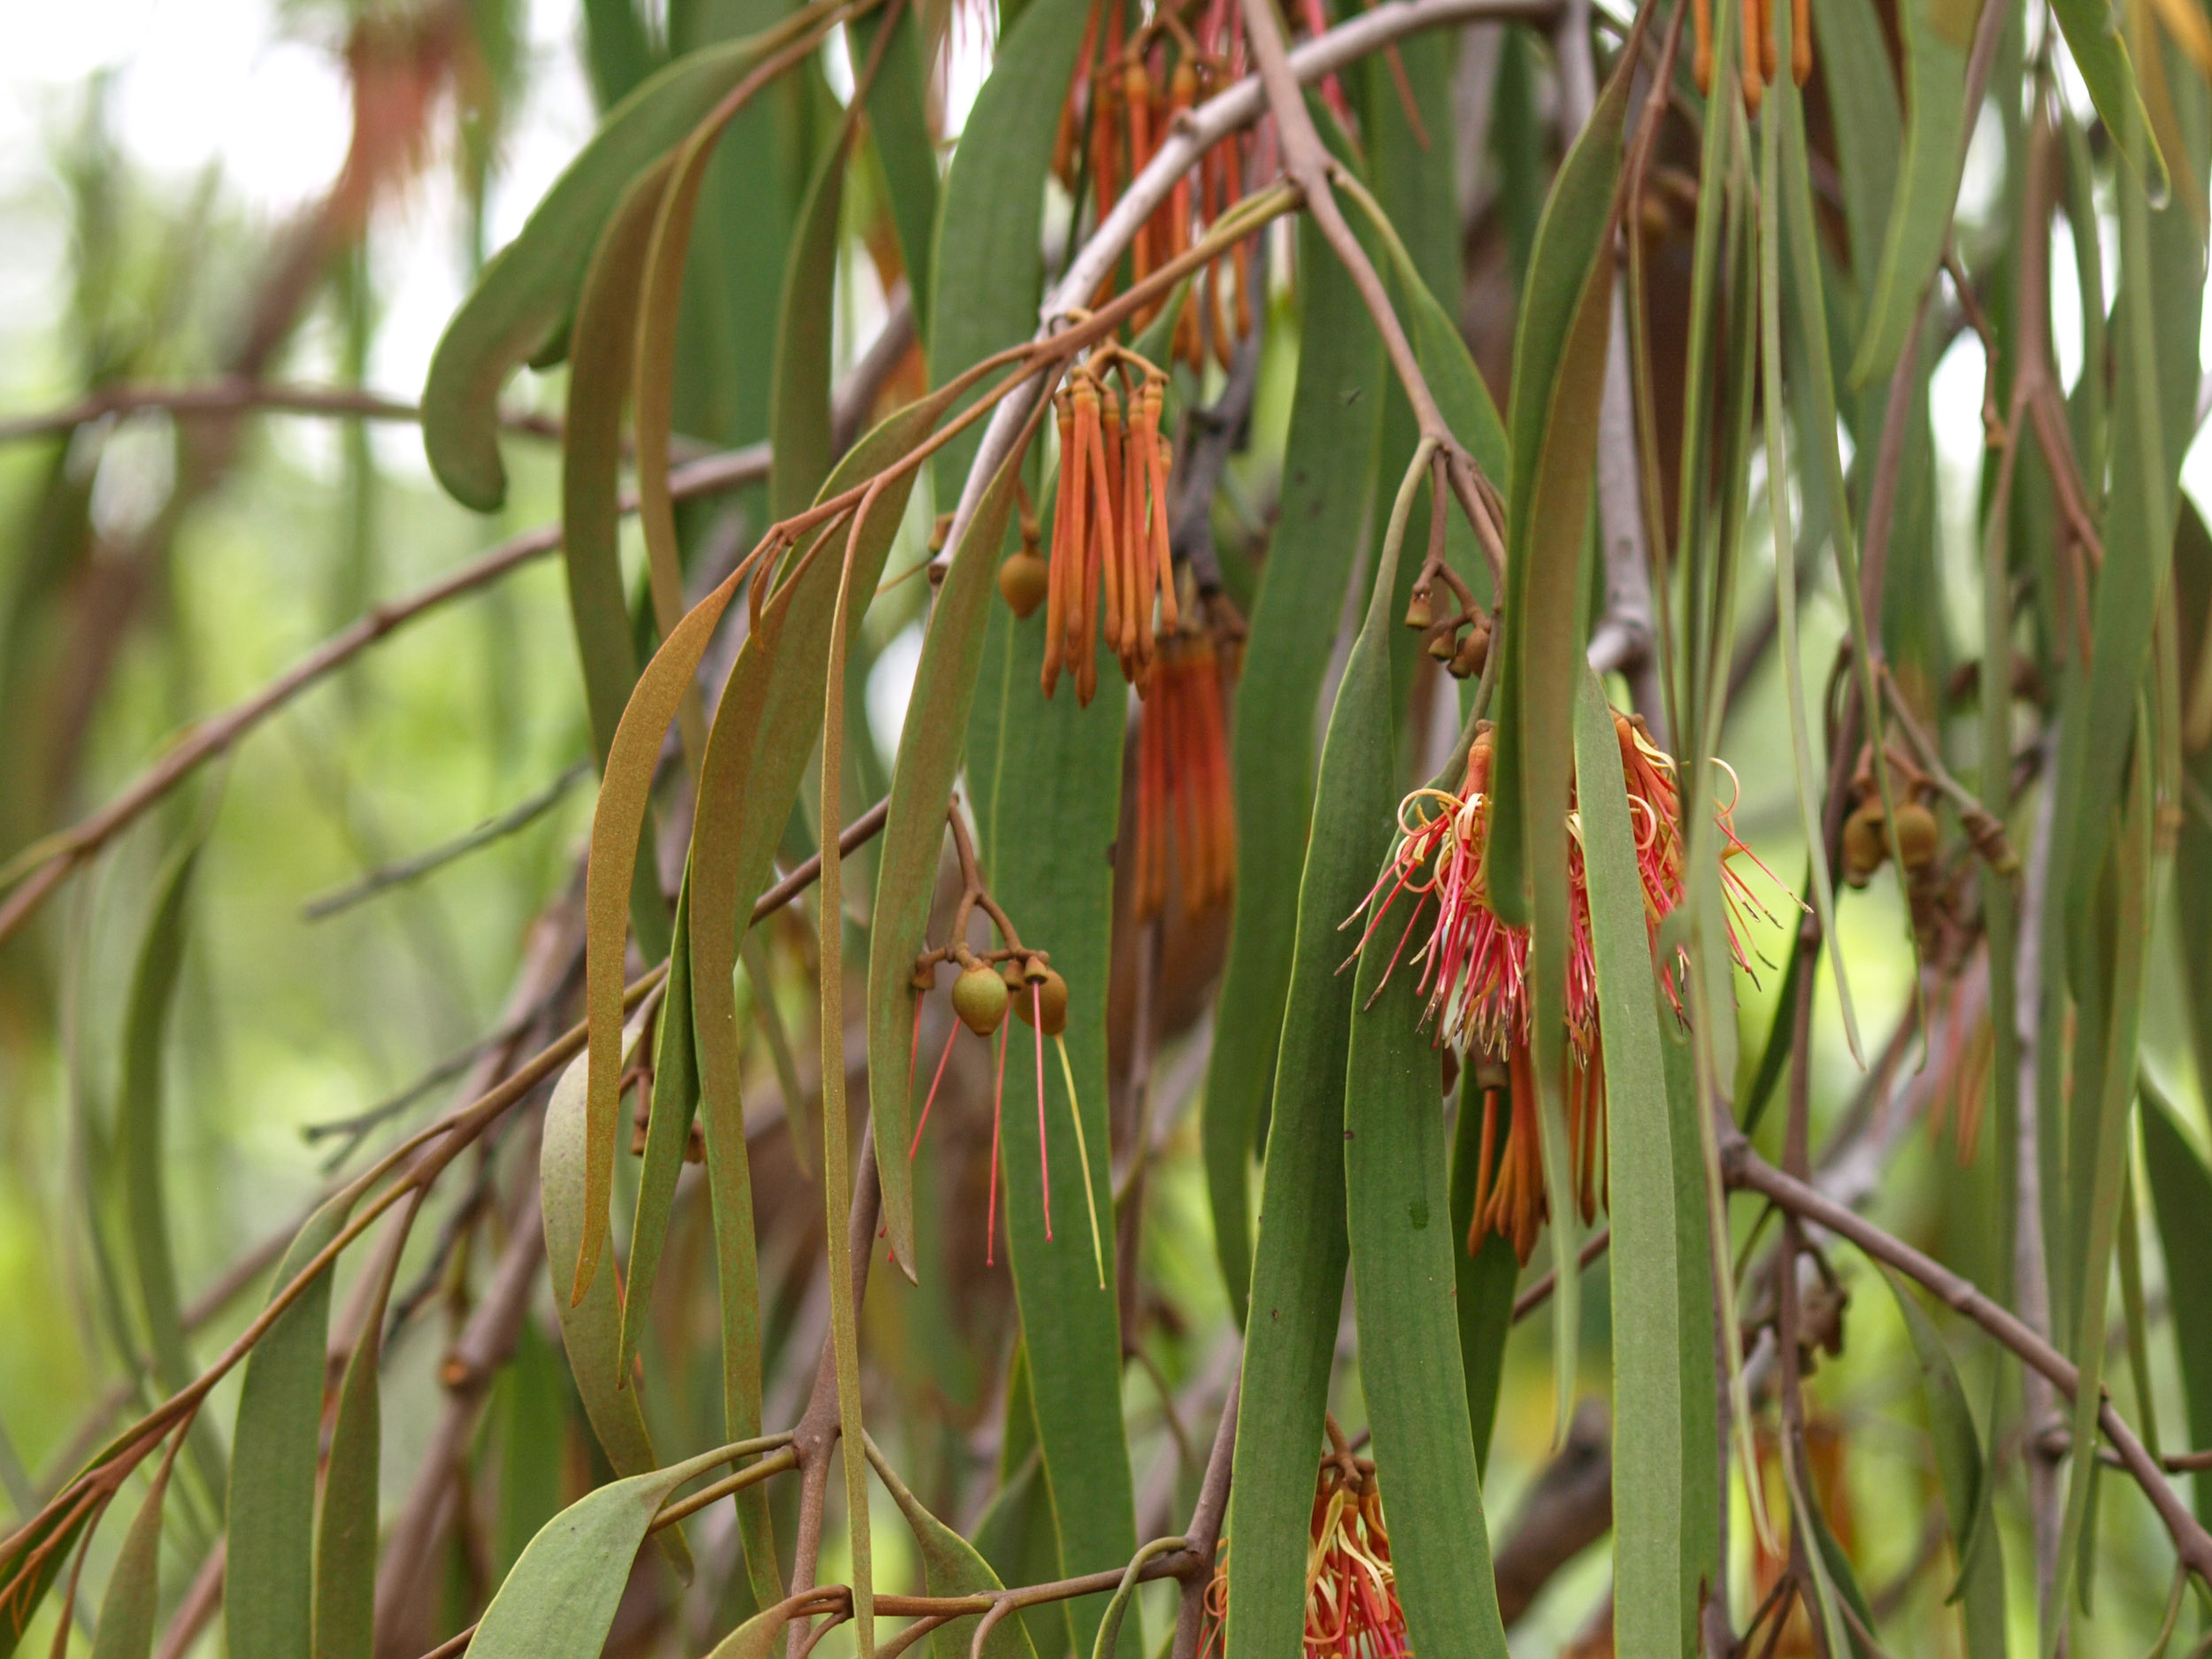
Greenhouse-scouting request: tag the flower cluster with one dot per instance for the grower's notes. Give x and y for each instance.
(1184, 789)
(1352, 1609)
(1127, 93)
(1474, 966)
(1109, 523)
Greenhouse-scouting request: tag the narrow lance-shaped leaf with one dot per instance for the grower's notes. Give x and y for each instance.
(591, 1329)
(952, 1566)
(518, 310)
(132, 1605)
(1651, 1614)
(1559, 356)
(1937, 35)
(2181, 1192)
(1299, 1269)
(1967, 1487)
(1328, 474)
(268, 1577)
(560, 1600)
(345, 1522)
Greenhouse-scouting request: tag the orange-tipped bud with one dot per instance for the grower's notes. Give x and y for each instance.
(980, 997)
(1023, 580)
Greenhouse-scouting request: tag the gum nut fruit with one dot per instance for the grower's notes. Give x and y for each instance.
(1468, 660)
(1418, 615)
(1915, 835)
(1051, 999)
(1441, 645)
(979, 996)
(1023, 580)
(1864, 846)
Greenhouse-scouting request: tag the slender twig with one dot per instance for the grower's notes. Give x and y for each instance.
(1307, 164)
(237, 395)
(1746, 1169)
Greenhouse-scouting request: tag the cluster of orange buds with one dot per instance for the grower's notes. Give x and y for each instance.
(1129, 89)
(1184, 787)
(1761, 52)
(1352, 1607)
(1109, 523)
(1474, 966)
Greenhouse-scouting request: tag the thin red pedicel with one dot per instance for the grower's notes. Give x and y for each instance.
(998, 1098)
(1044, 1157)
(933, 1082)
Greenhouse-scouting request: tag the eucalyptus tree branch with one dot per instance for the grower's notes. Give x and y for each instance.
(1307, 164)
(1747, 1171)
(236, 394)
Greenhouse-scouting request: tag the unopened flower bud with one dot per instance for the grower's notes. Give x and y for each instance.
(980, 997)
(1917, 835)
(1050, 1002)
(1023, 580)
(1864, 845)
(1473, 650)
(1418, 615)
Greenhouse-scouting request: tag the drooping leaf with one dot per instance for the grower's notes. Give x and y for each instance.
(269, 1569)
(1559, 372)
(560, 1600)
(1304, 1250)
(131, 1607)
(591, 1329)
(2181, 1194)
(675, 1102)
(952, 1566)
(1650, 1611)
(1404, 1287)
(799, 405)
(1328, 474)
(518, 310)
(898, 125)
(1937, 34)
(346, 1520)
(1967, 1485)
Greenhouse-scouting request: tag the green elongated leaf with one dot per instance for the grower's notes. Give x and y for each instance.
(2181, 1194)
(667, 1137)
(1650, 1613)
(1032, 762)
(519, 309)
(930, 746)
(57, 1538)
(1402, 1250)
(799, 405)
(898, 125)
(1328, 475)
(1937, 35)
(2097, 1188)
(617, 49)
(269, 1571)
(987, 266)
(345, 1523)
(731, 790)
(559, 1601)
(1788, 127)
(534, 1409)
(952, 1566)
(1854, 70)
(1487, 1277)
(591, 1329)
(1559, 373)
(1966, 1485)
(1698, 1324)
(591, 462)
(141, 1133)
(1832, 1570)
(601, 348)
(1299, 1269)
(2101, 57)
(131, 1607)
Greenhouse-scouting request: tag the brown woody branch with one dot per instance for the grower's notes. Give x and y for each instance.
(239, 393)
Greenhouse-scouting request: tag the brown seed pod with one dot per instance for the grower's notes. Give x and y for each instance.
(1864, 845)
(1051, 1002)
(1442, 644)
(1024, 579)
(1474, 650)
(980, 997)
(1917, 835)
(1418, 615)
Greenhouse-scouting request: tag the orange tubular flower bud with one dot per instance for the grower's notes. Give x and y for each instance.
(1801, 41)
(1074, 617)
(1136, 93)
(1065, 513)
(1097, 543)
(1112, 513)
(1163, 558)
(1701, 58)
(1136, 595)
